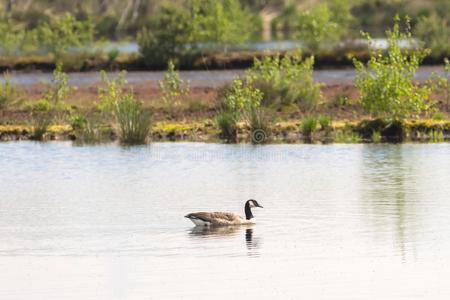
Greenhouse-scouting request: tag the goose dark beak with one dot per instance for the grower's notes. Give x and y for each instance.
(260, 206)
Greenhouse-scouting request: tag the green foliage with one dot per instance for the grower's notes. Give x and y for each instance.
(226, 122)
(40, 121)
(443, 83)
(15, 39)
(133, 120)
(241, 97)
(58, 88)
(220, 22)
(438, 116)
(77, 122)
(347, 137)
(8, 91)
(287, 80)
(434, 31)
(173, 87)
(41, 105)
(64, 32)
(111, 91)
(169, 36)
(386, 83)
(308, 126)
(179, 32)
(320, 27)
(376, 136)
(325, 122)
(436, 136)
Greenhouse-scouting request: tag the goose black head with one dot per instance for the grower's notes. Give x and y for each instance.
(248, 205)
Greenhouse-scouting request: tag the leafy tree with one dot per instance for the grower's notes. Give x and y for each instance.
(64, 32)
(434, 31)
(386, 83)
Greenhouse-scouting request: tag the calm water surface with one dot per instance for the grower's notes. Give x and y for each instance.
(339, 221)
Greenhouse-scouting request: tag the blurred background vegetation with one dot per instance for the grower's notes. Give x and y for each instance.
(161, 30)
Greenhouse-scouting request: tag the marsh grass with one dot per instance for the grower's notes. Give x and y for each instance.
(347, 136)
(325, 122)
(308, 126)
(40, 122)
(226, 122)
(436, 136)
(133, 120)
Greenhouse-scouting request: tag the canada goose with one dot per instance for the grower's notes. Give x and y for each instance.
(224, 218)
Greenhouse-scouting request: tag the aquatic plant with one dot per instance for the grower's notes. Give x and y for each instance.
(386, 83)
(436, 136)
(347, 136)
(8, 93)
(308, 126)
(133, 120)
(77, 122)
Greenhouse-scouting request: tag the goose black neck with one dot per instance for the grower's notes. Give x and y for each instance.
(248, 211)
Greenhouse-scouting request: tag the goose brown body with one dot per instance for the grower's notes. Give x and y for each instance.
(224, 218)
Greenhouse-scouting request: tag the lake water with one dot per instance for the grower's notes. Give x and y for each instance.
(339, 221)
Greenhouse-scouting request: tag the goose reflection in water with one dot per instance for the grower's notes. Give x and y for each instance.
(252, 243)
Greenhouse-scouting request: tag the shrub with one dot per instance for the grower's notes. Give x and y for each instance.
(443, 82)
(386, 83)
(7, 91)
(173, 87)
(286, 80)
(308, 126)
(112, 91)
(241, 97)
(77, 122)
(58, 88)
(227, 125)
(434, 31)
(133, 120)
(64, 32)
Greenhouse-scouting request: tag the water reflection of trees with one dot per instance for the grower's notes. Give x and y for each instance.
(388, 194)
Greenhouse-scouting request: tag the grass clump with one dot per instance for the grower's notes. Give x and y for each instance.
(227, 125)
(438, 116)
(133, 120)
(436, 136)
(347, 136)
(308, 126)
(325, 122)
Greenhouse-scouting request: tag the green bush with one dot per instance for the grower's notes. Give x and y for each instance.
(386, 83)
(287, 80)
(111, 91)
(133, 120)
(308, 126)
(227, 125)
(8, 93)
(77, 122)
(438, 116)
(63, 32)
(173, 87)
(39, 105)
(434, 31)
(58, 89)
